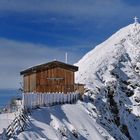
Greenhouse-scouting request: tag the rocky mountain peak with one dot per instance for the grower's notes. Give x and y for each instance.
(111, 73)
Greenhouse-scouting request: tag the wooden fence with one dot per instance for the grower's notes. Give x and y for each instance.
(17, 125)
(33, 100)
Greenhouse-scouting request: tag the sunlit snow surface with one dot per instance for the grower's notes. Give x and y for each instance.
(111, 73)
(64, 122)
(5, 120)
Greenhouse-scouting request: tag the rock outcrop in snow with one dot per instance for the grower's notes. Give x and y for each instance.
(111, 73)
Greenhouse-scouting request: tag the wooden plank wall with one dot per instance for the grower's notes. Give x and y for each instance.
(42, 82)
(46, 84)
(25, 83)
(30, 82)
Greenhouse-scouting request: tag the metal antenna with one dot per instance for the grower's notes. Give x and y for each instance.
(66, 57)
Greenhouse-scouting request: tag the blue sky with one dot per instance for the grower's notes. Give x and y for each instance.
(38, 31)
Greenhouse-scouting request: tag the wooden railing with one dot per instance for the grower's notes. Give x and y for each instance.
(16, 126)
(33, 100)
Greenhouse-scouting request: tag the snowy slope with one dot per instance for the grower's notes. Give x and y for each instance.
(111, 73)
(124, 42)
(63, 122)
(5, 120)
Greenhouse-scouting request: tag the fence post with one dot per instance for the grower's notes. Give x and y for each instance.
(58, 98)
(47, 99)
(69, 97)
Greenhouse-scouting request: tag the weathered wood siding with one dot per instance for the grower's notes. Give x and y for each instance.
(55, 80)
(30, 82)
(26, 83)
(50, 80)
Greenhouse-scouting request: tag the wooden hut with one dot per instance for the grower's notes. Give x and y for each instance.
(54, 76)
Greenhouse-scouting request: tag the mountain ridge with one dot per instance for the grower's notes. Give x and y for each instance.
(111, 74)
(110, 47)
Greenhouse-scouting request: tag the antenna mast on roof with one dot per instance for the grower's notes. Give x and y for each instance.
(66, 57)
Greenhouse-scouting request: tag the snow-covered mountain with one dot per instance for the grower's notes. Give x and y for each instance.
(111, 73)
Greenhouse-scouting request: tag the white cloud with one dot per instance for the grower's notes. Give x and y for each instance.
(75, 8)
(16, 56)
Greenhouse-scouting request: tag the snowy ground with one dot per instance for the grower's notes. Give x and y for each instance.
(5, 120)
(63, 122)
